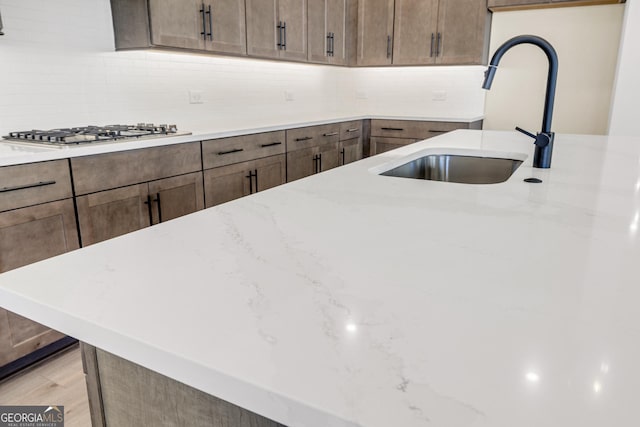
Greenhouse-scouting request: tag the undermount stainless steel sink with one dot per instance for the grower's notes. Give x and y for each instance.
(457, 168)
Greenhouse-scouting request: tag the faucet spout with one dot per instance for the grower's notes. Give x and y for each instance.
(544, 140)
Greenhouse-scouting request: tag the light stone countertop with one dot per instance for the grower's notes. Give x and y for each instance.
(14, 153)
(353, 299)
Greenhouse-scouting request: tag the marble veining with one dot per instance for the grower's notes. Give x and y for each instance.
(350, 299)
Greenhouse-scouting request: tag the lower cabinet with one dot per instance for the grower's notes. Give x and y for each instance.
(312, 160)
(312, 150)
(28, 235)
(111, 213)
(226, 183)
(390, 134)
(351, 144)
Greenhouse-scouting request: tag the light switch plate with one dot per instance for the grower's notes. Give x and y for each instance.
(439, 95)
(196, 97)
(289, 96)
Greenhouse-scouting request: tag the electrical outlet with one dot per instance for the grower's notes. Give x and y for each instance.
(439, 95)
(289, 96)
(196, 97)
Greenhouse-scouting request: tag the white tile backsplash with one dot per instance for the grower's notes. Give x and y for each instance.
(58, 67)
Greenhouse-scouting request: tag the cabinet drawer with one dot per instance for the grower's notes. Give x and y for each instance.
(34, 183)
(227, 151)
(350, 130)
(380, 144)
(112, 170)
(413, 129)
(312, 136)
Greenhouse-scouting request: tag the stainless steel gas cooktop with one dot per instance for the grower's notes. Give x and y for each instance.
(66, 137)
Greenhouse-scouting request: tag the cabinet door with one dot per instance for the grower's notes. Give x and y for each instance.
(262, 31)
(415, 32)
(226, 183)
(270, 172)
(112, 213)
(293, 14)
(327, 17)
(462, 25)
(301, 163)
(350, 150)
(28, 235)
(227, 27)
(177, 23)
(329, 157)
(375, 32)
(317, 31)
(176, 196)
(337, 26)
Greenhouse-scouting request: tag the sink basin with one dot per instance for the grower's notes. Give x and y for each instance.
(457, 168)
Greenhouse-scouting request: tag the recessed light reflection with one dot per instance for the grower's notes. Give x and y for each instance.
(532, 377)
(604, 368)
(633, 227)
(351, 327)
(597, 387)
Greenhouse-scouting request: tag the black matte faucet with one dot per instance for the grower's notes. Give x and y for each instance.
(543, 139)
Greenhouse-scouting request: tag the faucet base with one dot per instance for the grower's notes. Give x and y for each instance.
(542, 155)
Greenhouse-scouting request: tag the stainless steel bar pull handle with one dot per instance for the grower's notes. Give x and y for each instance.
(439, 45)
(431, 51)
(250, 177)
(279, 28)
(393, 129)
(304, 138)
(157, 200)
(328, 44)
(235, 150)
(330, 134)
(271, 144)
(25, 186)
(210, 33)
(148, 203)
(352, 130)
(203, 33)
(284, 37)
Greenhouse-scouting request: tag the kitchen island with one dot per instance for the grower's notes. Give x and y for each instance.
(353, 299)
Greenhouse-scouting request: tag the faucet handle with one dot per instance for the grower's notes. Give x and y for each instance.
(542, 139)
(529, 134)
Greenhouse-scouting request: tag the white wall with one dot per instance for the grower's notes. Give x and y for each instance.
(586, 40)
(58, 68)
(625, 106)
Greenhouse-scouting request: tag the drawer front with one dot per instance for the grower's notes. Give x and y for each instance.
(380, 144)
(312, 136)
(413, 129)
(227, 151)
(34, 183)
(113, 170)
(350, 130)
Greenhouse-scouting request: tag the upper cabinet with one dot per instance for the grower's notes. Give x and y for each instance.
(209, 26)
(327, 31)
(277, 29)
(339, 32)
(463, 32)
(425, 32)
(375, 32)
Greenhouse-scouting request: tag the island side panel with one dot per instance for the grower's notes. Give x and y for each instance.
(124, 393)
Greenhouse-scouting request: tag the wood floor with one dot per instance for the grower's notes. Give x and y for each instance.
(55, 381)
